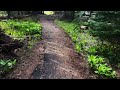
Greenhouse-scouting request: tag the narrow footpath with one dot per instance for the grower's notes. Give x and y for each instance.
(60, 59)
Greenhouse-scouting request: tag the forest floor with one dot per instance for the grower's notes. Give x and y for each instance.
(53, 57)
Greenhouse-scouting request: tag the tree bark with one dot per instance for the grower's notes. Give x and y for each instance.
(9, 13)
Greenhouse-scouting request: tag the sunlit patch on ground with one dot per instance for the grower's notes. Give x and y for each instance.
(48, 12)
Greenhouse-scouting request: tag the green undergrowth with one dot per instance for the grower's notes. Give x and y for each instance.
(20, 29)
(6, 65)
(26, 30)
(100, 53)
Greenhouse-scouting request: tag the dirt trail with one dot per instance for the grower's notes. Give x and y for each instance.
(60, 60)
(52, 58)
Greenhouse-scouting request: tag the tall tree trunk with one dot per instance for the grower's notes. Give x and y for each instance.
(41, 12)
(18, 13)
(9, 13)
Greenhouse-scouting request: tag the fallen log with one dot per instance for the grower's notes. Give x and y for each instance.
(5, 38)
(8, 44)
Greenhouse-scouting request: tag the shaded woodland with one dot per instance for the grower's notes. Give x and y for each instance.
(95, 34)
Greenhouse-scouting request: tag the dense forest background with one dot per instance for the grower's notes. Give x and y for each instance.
(96, 34)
